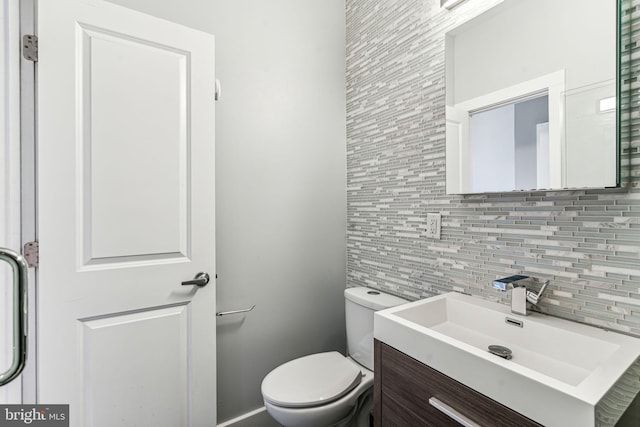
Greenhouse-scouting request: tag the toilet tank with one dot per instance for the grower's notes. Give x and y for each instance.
(360, 304)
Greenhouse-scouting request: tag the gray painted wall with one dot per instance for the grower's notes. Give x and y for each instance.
(587, 242)
(280, 181)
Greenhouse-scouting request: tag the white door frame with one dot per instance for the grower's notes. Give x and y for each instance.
(17, 184)
(10, 179)
(29, 191)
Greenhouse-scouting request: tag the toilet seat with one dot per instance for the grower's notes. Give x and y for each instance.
(310, 381)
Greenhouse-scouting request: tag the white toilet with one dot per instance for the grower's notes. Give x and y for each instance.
(329, 389)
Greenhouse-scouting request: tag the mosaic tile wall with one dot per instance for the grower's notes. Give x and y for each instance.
(586, 242)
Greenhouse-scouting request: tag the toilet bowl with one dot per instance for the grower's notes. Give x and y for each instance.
(329, 389)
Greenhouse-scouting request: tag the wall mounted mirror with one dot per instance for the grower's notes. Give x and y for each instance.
(531, 97)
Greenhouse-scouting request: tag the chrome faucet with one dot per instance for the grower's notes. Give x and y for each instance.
(519, 293)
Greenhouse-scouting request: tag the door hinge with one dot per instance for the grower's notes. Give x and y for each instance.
(32, 254)
(30, 47)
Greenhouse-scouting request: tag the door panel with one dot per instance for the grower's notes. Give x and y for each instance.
(144, 205)
(125, 214)
(109, 366)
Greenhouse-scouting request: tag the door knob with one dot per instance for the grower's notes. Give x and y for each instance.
(201, 279)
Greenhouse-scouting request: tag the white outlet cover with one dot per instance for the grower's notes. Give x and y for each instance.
(433, 225)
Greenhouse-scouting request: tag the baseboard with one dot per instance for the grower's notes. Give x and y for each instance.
(256, 418)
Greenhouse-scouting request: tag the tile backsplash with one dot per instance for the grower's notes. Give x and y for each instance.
(587, 242)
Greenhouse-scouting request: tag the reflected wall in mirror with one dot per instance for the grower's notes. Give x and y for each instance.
(531, 97)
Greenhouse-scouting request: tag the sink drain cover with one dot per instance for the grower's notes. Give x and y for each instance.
(501, 351)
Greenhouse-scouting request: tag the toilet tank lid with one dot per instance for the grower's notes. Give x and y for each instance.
(372, 298)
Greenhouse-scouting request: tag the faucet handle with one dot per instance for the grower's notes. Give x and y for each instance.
(534, 297)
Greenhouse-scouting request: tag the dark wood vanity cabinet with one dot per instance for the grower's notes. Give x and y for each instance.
(403, 387)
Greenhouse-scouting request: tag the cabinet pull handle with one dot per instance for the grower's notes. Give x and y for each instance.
(452, 413)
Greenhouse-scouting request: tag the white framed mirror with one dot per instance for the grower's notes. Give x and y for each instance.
(531, 98)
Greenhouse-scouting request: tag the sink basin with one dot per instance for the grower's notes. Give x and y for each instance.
(560, 372)
(560, 353)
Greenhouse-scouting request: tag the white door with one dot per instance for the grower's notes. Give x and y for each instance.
(125, 214)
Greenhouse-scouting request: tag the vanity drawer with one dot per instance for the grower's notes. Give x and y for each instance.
(404, 387)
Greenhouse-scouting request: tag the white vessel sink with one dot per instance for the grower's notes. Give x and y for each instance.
(559, 371)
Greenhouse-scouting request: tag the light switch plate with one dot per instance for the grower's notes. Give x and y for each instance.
(433, 225)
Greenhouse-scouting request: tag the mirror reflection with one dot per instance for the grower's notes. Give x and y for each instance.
(531, 97)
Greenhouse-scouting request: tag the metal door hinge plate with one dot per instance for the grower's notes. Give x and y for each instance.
(32, 254)
(30, 47)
